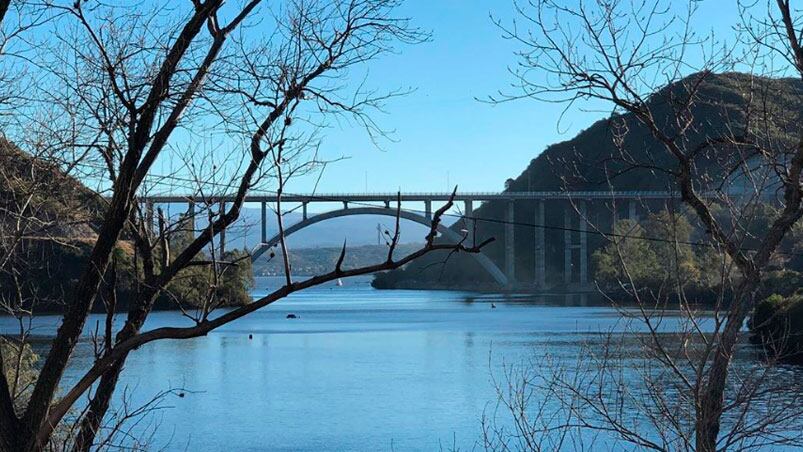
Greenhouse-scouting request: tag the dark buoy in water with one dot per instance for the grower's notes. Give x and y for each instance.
(181, 394)
(250, 336)
(493, 306)
(292, 316)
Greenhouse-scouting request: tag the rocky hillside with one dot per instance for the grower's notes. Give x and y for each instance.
(602, 157)
(47, 202)
(47, 229)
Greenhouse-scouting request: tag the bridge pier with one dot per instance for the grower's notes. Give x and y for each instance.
(632, 214)
(567, 245)
(613, 206)
(540, 246)
(468, 221)
(570, 246)
(264, 222)
(345, 204)
(191, 218)
(222, 231)
(149, 216)
(510, 256)
(583, 243)
(304, 210)
(428, 209)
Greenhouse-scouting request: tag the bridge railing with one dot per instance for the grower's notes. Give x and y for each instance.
(423, 196)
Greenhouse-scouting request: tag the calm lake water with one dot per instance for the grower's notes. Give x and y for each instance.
(360, 369)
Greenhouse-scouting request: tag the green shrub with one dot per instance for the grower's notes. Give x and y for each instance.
(783, 282)
(195, 286)
(777, 324)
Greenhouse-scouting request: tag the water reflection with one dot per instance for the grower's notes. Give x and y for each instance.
(564, 300)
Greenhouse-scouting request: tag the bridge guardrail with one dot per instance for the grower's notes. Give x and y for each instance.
(425, 196)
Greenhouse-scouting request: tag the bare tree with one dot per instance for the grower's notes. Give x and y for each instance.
(647, 62)
(123, 87)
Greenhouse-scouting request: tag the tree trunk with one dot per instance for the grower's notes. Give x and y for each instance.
(101, 400)
(711, 402)
(70, 330)
(10, 436)
(9, 424)
(98, 407)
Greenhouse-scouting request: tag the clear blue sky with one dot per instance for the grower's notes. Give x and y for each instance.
(442, 133)
(443, 136)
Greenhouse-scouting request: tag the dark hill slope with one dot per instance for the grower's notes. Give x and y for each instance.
(593, 161)
(47, 231)
(45, 200)
(47, 228)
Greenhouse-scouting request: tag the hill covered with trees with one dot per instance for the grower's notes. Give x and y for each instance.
(619, 153)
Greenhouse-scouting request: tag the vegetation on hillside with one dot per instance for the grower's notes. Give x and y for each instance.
(652, 259)
(667, 249)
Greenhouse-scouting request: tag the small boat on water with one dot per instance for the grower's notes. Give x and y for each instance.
(339, 282)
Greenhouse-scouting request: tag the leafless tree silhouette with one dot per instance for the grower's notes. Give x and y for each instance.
(121, 90)
(648, 62)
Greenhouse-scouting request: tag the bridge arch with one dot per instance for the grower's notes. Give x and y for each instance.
(449, 234)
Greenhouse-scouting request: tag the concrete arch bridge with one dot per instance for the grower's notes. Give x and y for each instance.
(575, 238)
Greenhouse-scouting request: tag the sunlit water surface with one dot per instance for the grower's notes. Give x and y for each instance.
(359, 369)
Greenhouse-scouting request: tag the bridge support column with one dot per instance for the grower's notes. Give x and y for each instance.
(387, 204)
(583, 243)
(345, 204)
(632, 214)
(222, 231)
(304, 210)
(264, 222)
(469, 209)
(468, 221)
(567, 245)
(191, 218)
(428, 209)
(540, 246)
(614, 214)
(149, 216)
(510, 257)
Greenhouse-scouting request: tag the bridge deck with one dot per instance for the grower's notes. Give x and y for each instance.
(434, 196)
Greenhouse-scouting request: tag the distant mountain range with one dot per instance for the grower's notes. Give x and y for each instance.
(315, 261)
(356, 230)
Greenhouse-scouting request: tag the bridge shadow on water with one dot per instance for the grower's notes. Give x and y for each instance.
(558, 300)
